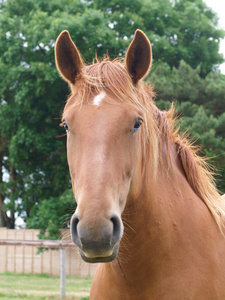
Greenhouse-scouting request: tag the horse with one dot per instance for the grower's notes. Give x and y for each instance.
(147, 209)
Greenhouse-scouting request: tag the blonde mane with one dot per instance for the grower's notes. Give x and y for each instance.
(112, 77)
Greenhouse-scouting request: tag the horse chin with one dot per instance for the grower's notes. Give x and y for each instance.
(99, 259)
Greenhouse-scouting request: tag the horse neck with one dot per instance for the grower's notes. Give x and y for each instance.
(164, 222)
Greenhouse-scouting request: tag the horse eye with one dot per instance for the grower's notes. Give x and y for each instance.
(66, 127)
(137, 125)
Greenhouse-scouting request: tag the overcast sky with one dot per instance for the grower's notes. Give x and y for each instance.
(218, 6)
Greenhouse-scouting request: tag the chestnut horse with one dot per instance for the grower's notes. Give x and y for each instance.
(147, 207)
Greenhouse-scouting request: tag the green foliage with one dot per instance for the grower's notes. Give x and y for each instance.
(207, 129)
(185, 84)
(179, 30)
(201, 108)
(185, 38)
(32, 97)
(52, 214)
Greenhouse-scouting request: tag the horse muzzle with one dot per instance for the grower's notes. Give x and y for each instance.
(97, 238)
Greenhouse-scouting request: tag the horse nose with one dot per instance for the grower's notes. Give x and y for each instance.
(96, 238)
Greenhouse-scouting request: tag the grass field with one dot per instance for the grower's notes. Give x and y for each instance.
(42, 286)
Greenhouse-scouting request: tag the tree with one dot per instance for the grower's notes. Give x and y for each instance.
(199, 103)
(179, 30)
(52, 214)
(33, 95)
(185, 84)
(32, 154)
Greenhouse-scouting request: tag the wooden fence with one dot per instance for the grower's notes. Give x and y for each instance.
(25, 259)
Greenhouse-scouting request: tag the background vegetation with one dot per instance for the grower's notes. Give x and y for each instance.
(47, 287)
(34, 177)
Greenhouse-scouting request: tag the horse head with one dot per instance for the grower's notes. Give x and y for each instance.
(103, 120)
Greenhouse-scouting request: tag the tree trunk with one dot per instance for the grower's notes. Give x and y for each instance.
(12, 210)
(3, 222)
(6, 221)
(2, 219)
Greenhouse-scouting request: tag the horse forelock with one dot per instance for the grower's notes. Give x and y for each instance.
(112, 77)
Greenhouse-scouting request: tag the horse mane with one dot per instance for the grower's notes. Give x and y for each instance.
(199, 173)
(115, 79)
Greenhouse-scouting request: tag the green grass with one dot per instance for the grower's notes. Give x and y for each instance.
(42, 286)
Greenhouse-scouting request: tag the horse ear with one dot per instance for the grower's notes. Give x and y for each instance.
(139, 56)
(68, 60)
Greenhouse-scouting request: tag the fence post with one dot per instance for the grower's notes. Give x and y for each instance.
(62, 273)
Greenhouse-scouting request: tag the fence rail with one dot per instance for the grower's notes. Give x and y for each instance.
(38, 243)
(17, 255)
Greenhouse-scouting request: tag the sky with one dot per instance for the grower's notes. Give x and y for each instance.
(218, 6)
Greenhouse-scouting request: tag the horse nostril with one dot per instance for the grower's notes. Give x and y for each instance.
(73, 229)
(117, 227)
